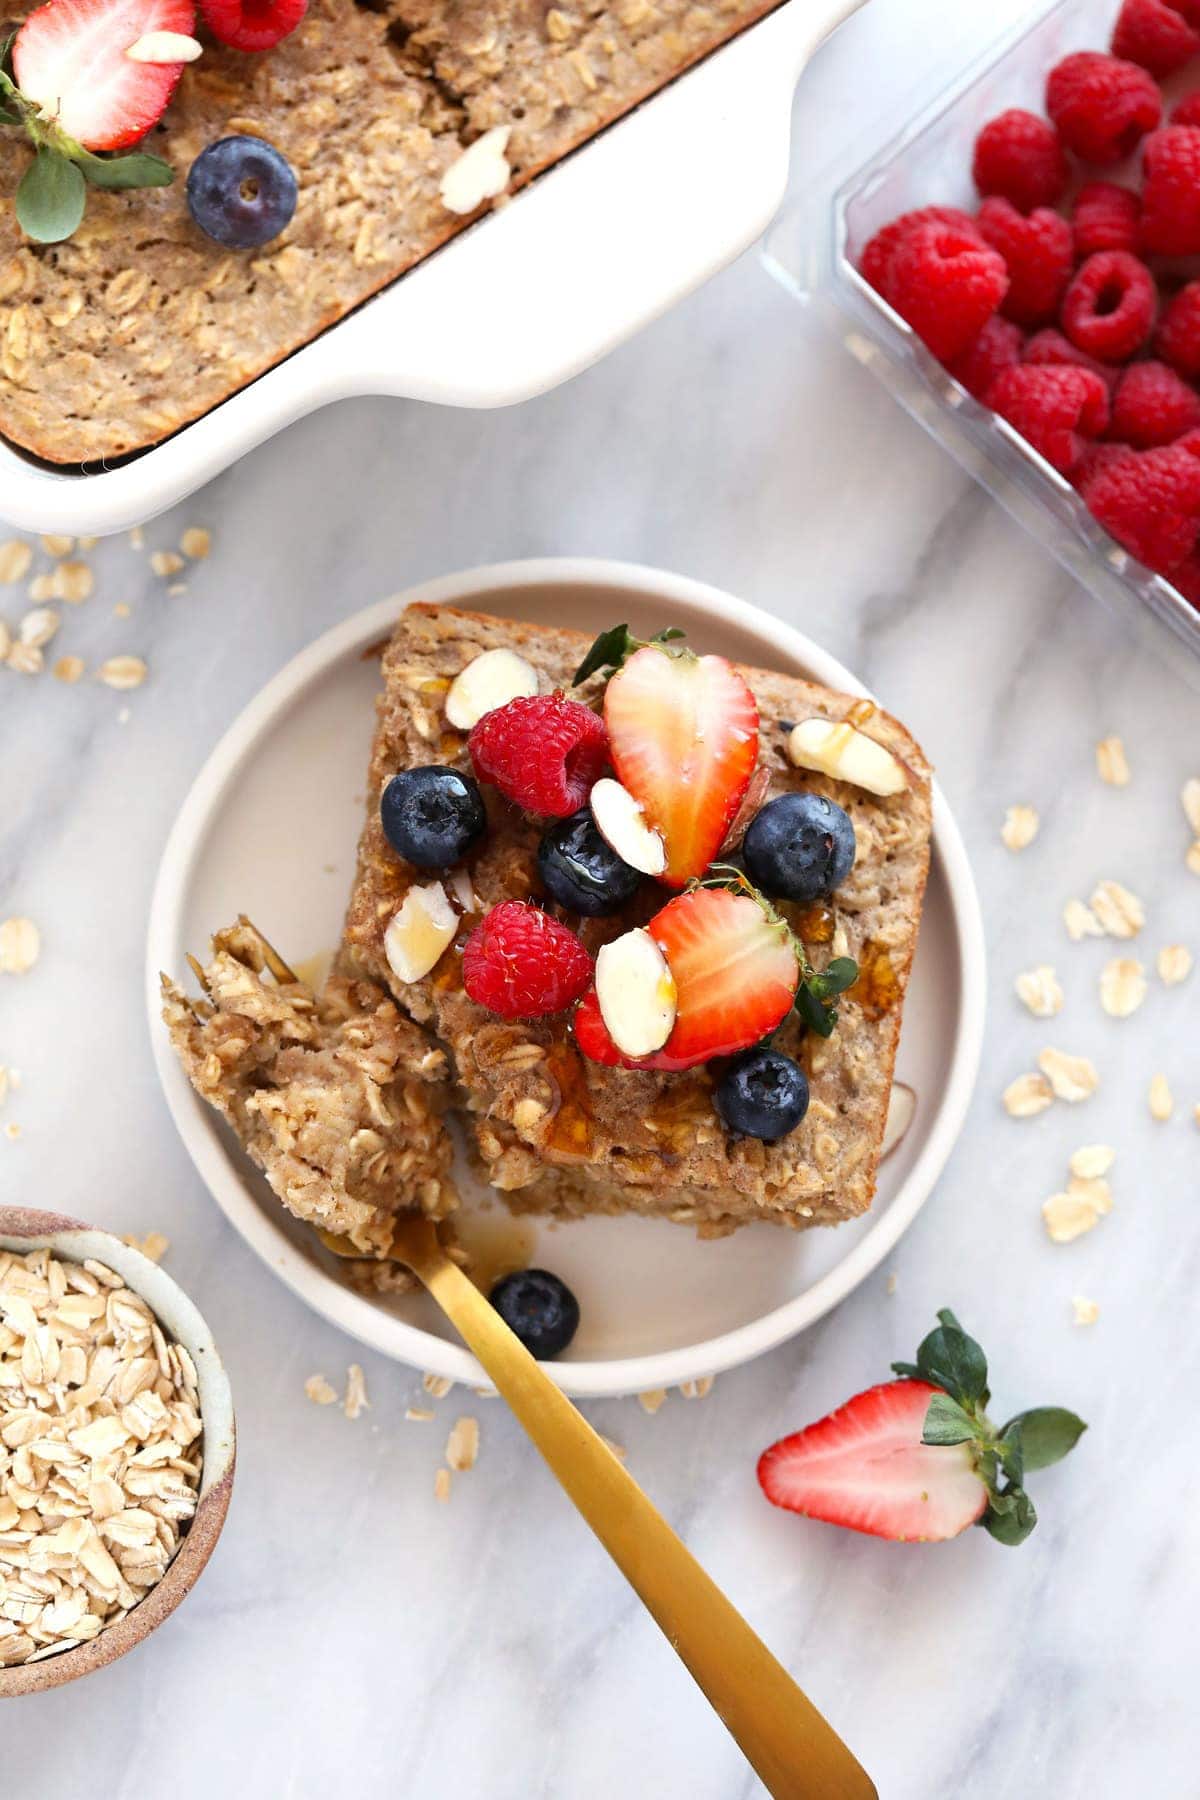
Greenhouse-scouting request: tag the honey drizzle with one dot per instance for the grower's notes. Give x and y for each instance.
(569, 1131)
(877, 989)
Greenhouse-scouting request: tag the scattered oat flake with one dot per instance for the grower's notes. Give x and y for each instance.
(1027, 1096)
(176, 589)
(1091, 1161)
(1111, 763)
(38, 627)
(54, 543)
(1020, 827)
(20, 946)
(69, 669)
(1190, 797)
(1120, 913)
(1081, 921)
(698, 1389)
(1161, 1101)
(196, 543)
(154, 1245)
(25, 659)
(137, 538)
(4, 1084)
(122, 610)
(319, 1391)
(1122, 987)
(1073, 1078)
(1038, 989)
(122, 672)
(441, 1485)
(1192, 859)
(1174, 964)
(419, 1415)
(652, 1399)
(12, 1131)
(356, 1401)
(437, 1385)
(1084, 1311)
(1069, 1215)
(166, 562)
(15, 558)
(72, 582)
(462, 1446)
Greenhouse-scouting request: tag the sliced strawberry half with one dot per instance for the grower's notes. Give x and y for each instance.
(735, 968)
(865, 1467)
(683, 731)
(69, 58)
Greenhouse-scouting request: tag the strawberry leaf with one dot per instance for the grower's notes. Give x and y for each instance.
(613, 646)
(947, 1423)
(51, 197)
(1046, 1434)
(137, 170)
(818, 1016)
(949, 1359)
(1010, 1516)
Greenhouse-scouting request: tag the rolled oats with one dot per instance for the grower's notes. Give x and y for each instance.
(355, 1402)
(196, 543)
(69, 669)
(652, 1399)
(1073, 1078)
(1190, 799)
(1160, 1099)
(1122, 987)
(72, 582)
(699, 1389)
(1068, 1215)
(1111, 763)
(1120, 913)
(441, 1485)
(1192, 859)
(94, 1493)
(1020, 827)
(154, 1245)
(1081, 921)
(1027, 1096)
(1084, 1311)
(436, 1385)
(25, 659)
(166, 562)
(319, 1391)
(122, 672)
(1038, 989)
(1092, 1161)
(57, 544)
(462, 1446)
(1174, 964)
(20, 946)
(38, 627)
(419, 1415)
(15, 558)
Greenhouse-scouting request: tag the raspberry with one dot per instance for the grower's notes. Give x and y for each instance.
(1188, 110)
(1150, 501)
(947, 283)
(522, 964)
(997, 347)
(1177, 339)
(1019, 157)
(1152, 406)
(1155, 35)
(1186, 578)
(1037, 252)
(1055, 410)
(252, 24)
(877, 257)
(543, 752)
(1095, 458)
(1102, 107)
(1171, 191)
(1105, 217)
(1051, 346)
(1109, 308)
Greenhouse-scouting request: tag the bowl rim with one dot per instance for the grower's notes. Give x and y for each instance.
(23, 1229)
(197, 1126)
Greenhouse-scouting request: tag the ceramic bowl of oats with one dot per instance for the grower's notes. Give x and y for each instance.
(116, 1448)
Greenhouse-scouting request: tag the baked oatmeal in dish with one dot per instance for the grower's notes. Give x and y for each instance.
(338, 1099)
(626, 905)
(308, 173)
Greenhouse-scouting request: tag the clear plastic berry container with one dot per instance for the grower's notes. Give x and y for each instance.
(919, 155)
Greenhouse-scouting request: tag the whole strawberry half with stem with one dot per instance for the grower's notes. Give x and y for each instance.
(70, 60)
(918, 1460)
(683, 737)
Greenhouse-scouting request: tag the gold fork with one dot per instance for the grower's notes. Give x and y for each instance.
(792, 1748)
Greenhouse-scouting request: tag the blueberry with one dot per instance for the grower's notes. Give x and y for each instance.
(581, 871)
(241, 191)
(539, 1308)
(762, 1094)
(432, 816)
(799, 847)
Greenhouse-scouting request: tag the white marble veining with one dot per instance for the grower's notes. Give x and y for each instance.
(353, 1638)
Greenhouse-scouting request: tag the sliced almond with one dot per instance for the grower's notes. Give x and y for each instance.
(902, 1108)
(1038, 989)
(492, 680)
(636, 992)
(422, 928)
(622, 824)
(847, 754)
(479, 174)
(164, 47)
(1120, 913)
(1122, 987)
(1073, 1078)
(1027, 1096)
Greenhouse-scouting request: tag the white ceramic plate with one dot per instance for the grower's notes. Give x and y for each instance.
(659, 1306)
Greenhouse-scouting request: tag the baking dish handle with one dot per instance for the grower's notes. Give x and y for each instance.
(600, 245)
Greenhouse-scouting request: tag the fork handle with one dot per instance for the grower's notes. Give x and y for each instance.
(794, 1751)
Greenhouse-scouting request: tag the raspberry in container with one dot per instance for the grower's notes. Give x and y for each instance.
(1042, 319)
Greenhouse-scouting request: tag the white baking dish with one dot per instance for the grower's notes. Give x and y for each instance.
(590, 252)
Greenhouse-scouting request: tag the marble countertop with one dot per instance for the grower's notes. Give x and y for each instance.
(351, 1635)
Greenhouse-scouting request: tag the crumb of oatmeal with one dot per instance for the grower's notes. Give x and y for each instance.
(69, 669)
(1084, 1311)
(319, 1391)
(196, 543)
(166, 562)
